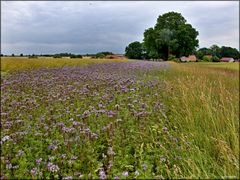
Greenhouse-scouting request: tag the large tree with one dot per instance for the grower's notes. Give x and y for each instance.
(134, 50)
(203, 52)
(229, 52)
(170, 35)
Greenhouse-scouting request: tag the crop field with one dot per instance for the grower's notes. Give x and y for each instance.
(118, 119)
(20, 63)
(222, 65)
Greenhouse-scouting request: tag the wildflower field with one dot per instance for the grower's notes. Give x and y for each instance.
(118, 120)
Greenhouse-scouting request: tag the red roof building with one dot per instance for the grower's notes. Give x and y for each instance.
(191, 58)
(227, 59)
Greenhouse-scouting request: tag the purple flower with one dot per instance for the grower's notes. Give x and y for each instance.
(5, 138)
(144, 167)
(165, 129)
(9, 166)
(20, 153)
(102, 174)
(53, 147)
(38, 161)
(137, 173)
(111, 114)
(110, 151)
(73, 157)
(15, 167)
(60, 124)
(52, 167)
(68, 178)
(125, 173)
(34, 171)
(75, 123)
(135, 101)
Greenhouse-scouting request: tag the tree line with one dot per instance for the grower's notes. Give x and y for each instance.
(60, 55)
(214, 53)
(172, 37)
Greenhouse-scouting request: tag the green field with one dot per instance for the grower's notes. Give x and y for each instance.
(134, 119)
(223, 65)
(203, 104)
(16, 63)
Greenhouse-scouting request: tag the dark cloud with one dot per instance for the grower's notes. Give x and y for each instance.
(89, 27)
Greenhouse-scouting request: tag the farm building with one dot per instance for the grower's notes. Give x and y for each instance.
(227, 59)
(115, 56)
(191, 58)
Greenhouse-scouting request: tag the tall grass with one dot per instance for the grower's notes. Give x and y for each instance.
(16, 63)
(204, 104)
(222, 65)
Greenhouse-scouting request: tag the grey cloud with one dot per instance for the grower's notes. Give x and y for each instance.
(88, 27)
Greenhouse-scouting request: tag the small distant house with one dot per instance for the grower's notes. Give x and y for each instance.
(227, 59)
(115, 56)
(191, 58)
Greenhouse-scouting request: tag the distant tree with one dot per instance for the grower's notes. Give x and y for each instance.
(203, 52)
(100, 55)
(57, 56)
(1, 55)
(215, 50)
(206, 58)
(32, 56)
(13, 55)
(76, 56)
(171, 35)
(172, 58)
(134, 50)
(103, 54)
(229, 52)
(215, 59)
(21, 55)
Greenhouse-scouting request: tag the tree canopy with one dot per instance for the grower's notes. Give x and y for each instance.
(218, 52)
(134, 50)
(170, 35)
(103, 54)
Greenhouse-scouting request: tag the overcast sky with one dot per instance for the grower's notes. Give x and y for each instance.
(93, 26)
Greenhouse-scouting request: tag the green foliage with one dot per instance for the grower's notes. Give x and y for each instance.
(32, 56)
(57, 56)
(134, 50)
(76, 56)
(206, 58)
(100, 55)
(190, 128)
(214, 50)
(229, 52)
(215, 59)
(202, 52)
(171, 35)
(204, 104)
(103, 54)
(172, 58)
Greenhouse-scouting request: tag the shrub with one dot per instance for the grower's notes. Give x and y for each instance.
(172, 58)
(215, 59)
(206, 58)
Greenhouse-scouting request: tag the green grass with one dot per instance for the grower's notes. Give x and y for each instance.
(192, 131)
(203, 103)
(9, 64)
(222, 65)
